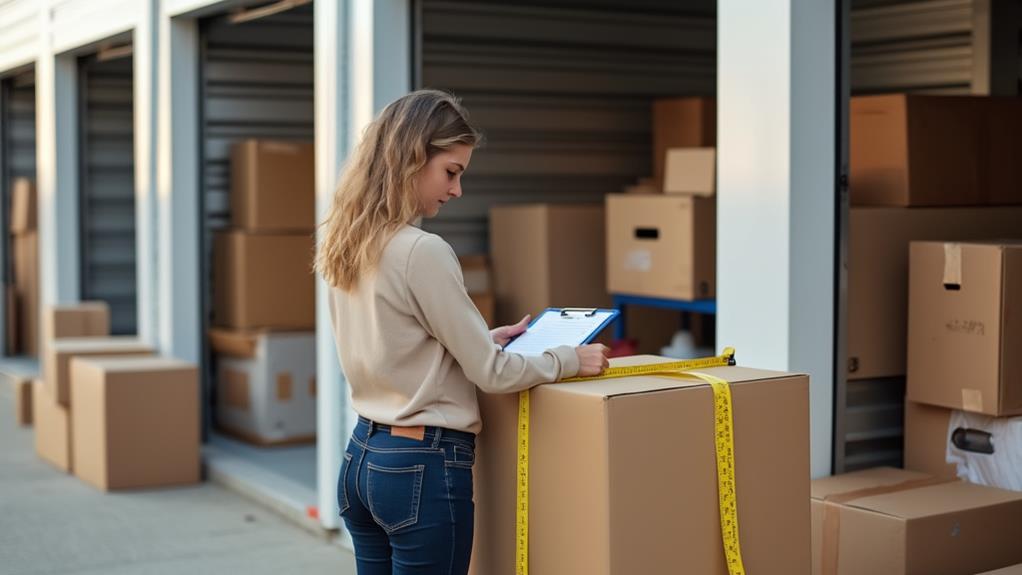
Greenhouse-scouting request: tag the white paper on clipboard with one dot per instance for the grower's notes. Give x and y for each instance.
(553, 329)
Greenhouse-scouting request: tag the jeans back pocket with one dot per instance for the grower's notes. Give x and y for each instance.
(393, 495)
(342, 485)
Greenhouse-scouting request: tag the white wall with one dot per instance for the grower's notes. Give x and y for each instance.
(776, 202)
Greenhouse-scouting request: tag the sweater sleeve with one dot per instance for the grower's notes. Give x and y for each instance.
(436, 293)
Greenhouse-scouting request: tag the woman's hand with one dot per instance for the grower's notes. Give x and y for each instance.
(504, 334)
(592, 359)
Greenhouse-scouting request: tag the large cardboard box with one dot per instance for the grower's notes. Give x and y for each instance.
(23, 206)
(82, 319)
(878, 243)
(897, 522)
(662, 246)
(266, 385)
(547, 255)
(273, 186)
(965, 326)
(691, 171)
(681, 123)
(26, 282)
(926, 440)
(920, 150)
(136, 421)
(622, 476)
(22, 400)
(263, 281)
(57, 359)
(52, 426)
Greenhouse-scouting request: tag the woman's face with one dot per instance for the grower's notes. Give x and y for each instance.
(439, 181)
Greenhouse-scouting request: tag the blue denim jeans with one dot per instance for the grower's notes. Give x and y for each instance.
(408, 502)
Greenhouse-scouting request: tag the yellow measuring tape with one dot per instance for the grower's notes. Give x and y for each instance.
(723, 438)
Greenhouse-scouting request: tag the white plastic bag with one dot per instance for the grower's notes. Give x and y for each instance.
(987, 450)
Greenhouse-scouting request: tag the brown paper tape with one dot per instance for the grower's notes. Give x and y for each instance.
(972, 400)
(236, 389)
(284, 385)
(953, 264)
(832, 515)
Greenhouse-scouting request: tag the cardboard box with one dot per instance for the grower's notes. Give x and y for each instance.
(662, 246)
(82, 319)
(547, 255)
(1013, 570)
(895, 522)
(878, 243)
(965, 327)
(622, 476)
(23, 206)
(926, 440)
(136, 421)
(273, 186)
(57, 359)
(476, 271)
(691, 171)
(681, 123)
(22, 400)
(920, 150)
(266, 386)
(264, 281)
(486, 303)
(52, 423)
(26, 282)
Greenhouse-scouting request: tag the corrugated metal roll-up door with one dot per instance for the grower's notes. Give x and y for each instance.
(256, 82)
(107, 188)
(17, 129)
(562, 91)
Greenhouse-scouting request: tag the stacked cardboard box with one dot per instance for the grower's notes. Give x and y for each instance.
(964, 370)
(891, 521)
(264, 295)
(622, 476)
(476, 272)
(266, 385)
(23, 296)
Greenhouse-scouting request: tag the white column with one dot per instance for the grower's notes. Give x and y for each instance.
(363, 62)
(57, 170)
(777, 187)
(177, 189)
(146, 69)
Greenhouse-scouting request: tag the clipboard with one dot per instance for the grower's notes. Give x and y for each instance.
(561, 326)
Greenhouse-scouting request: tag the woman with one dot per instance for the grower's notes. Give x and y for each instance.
(412, 344)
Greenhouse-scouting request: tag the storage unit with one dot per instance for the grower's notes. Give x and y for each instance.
(106, 184)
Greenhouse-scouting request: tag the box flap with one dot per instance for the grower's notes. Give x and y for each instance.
(235, 343)
(857, 480)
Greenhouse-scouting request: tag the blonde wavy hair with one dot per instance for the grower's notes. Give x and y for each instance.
(376, 194)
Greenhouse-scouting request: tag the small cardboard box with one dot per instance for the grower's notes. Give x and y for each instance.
(23, 206)
(22, 400)
(136, 421)
(476, 271)
(964, 326)
(547, 255)
(897, 522)
(681, 123)
(622, 476)
(263, 281)
(266, 385)
(691, 171)
(878, 243)
(52, 426)
(26, 282)
(926, 440)
(923, 150)
(273, 186)
(83, 319)
(662, 246)
(57, 359)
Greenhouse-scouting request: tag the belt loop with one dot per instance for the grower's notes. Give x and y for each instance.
(436, 437)
(372, 428)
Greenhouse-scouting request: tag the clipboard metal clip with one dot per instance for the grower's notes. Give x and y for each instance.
(587, 311)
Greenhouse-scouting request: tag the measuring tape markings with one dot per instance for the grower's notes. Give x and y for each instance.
(723, 427)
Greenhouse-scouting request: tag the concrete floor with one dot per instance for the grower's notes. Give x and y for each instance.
(51, 522)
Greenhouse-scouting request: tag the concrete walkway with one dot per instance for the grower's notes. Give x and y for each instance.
(51, 522)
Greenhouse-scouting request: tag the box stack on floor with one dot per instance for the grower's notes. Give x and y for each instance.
(22, 298)
(934, 287)
(475, 270)
(110, 411)
(264, 296)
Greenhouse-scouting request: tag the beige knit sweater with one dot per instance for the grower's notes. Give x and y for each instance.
(413, 346)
